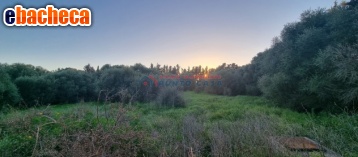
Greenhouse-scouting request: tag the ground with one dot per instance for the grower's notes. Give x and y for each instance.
(209, 125)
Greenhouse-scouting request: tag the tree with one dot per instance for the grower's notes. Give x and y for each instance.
(72, 85)
(336, 78)
(352, 3)
(36, 90)
(88, 68)
(158, 66)
(106, 66)
(18, 69)
(8, 91)
(116, 79)
(141, 68)
(306, 67)
(178, 69)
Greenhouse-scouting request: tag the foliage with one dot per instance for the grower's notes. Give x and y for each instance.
(313, 64)
(336, 79)
(35, 90)
(114, 80)
(8, 92)
(170, 97)
(72, 85)
(18, 69)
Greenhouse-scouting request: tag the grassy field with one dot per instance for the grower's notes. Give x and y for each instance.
(209, 125)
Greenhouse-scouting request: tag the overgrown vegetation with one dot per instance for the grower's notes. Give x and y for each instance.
(170, 97)
(77, 131)
(312, 65)
(209, 126)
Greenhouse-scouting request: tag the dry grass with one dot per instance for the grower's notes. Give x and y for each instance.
(78, 133)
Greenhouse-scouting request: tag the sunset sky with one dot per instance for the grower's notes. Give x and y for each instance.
(184, 32)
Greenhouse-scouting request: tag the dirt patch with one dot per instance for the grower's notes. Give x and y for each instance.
(299, 143)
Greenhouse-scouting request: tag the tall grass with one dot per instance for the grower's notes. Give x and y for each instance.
(76, 132)
(209, 125)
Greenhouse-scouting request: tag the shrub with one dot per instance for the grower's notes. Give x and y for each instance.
(170, 97)
(277, 87)
(116, 79)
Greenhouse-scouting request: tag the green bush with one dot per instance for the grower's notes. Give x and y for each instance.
(170, 97)
(16, 145)
(276, 86)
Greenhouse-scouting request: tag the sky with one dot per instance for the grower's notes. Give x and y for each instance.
(168, 32)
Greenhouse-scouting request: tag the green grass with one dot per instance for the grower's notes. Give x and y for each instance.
(215, 108)
(204, 120)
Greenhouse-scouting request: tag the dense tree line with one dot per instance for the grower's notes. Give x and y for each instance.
(24, 85)
(312, 65)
